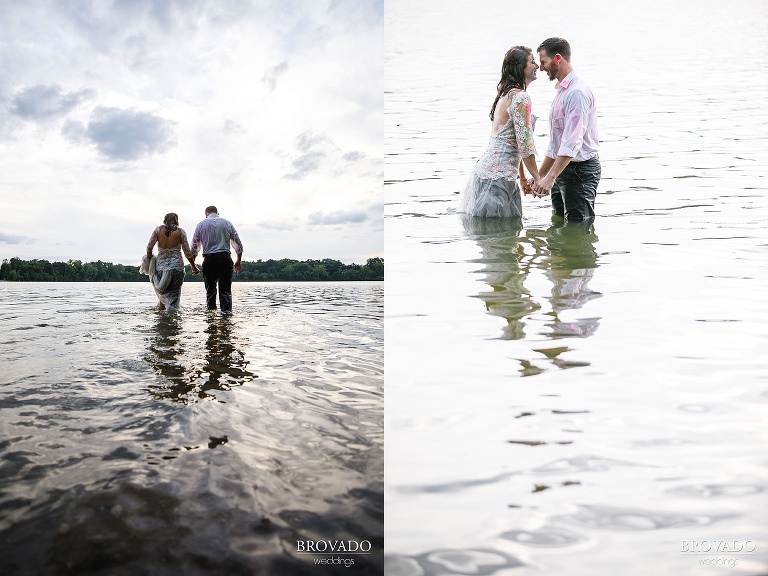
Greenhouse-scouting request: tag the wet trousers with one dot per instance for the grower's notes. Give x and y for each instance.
(218, 269)
(575, 189)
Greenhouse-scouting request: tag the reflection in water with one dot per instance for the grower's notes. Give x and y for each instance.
(566, 255)
(173, 359)
(506, 266)
(480, 562)
(570, 266)
(110, 464)
(225, 365)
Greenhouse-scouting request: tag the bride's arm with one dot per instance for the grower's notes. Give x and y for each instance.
(188, 252)
(523, 180)
(524, 135)
(152, 242)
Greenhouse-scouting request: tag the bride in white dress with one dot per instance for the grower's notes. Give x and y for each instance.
(166, 270)
(492, 190)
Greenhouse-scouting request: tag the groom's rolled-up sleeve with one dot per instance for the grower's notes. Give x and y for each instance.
(195, 246)
(234, 239)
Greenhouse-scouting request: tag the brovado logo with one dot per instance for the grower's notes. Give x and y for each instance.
(333, 547)
(717, 547)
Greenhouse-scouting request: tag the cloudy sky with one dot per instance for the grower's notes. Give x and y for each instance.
(115, 112)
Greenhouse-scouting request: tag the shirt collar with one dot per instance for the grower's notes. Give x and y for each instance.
(565, 81)
(213, 215)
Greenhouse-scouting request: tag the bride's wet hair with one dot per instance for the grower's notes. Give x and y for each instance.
(512, 73)
(171, 222)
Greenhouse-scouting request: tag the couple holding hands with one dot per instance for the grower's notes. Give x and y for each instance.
(166, 270)
(570, 171)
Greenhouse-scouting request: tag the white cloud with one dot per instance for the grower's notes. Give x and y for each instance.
(11, 239)
(273, 74)
(338, 217)
(127, 134)
(44, 102)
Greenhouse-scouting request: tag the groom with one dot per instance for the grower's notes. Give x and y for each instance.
(215, 234)
(571, 168)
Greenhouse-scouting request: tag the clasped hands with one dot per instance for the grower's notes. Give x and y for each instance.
(538, 188)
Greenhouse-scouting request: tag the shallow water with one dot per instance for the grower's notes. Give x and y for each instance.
(138, 442)
(580, 400)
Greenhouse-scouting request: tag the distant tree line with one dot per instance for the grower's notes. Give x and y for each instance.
(284, 270)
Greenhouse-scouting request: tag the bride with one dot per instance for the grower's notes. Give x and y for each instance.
(166, 270)
(492, 190)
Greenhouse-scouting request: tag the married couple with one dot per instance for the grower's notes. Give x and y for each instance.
(570, 171)
(166, 270)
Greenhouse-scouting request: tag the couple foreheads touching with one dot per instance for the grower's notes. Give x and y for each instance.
(570, 170)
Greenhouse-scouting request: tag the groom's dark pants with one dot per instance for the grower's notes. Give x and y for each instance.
(575, 189)
(217, 273)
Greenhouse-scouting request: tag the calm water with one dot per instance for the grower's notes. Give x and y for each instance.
(137, 442)
(567, 399)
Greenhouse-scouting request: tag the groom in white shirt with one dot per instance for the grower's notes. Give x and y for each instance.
(214, 235)
(571, 167)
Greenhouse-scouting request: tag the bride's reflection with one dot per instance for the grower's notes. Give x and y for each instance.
(175, 358)
(165, 354)
(564, 254)
(505, 265)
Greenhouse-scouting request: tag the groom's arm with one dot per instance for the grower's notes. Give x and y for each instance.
(546, 165)
(550, 170)
(237, 244)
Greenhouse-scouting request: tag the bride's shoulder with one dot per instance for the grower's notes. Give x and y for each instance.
(515, 96)
(520, 95)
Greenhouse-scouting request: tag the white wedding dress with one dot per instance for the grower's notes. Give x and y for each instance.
(166, 270)
(492, 190)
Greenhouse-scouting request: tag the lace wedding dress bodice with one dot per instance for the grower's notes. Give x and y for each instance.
(492, 189)
(511, 142)
(170, 258)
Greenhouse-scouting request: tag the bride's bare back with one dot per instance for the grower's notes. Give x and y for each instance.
(501, 114)
(172, 241)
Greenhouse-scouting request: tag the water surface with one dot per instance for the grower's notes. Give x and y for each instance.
(134, 441)
(581, 399)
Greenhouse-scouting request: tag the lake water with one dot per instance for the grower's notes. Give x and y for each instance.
(138, 442)
(580, 400)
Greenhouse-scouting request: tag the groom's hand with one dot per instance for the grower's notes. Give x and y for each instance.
(543, 186)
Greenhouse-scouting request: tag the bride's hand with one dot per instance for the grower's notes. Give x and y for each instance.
(526, 186)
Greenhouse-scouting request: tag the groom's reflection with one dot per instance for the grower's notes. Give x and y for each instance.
(570, 265)
(175, 358)
(225, 365)
(564, 254)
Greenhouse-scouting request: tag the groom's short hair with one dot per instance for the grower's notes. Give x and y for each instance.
(554, 46)
(211, 210)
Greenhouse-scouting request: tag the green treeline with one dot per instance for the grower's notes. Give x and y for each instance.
(284, 270)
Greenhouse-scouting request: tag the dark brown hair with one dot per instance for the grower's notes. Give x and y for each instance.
(554, 46)
(512, 73)
(171, 222)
